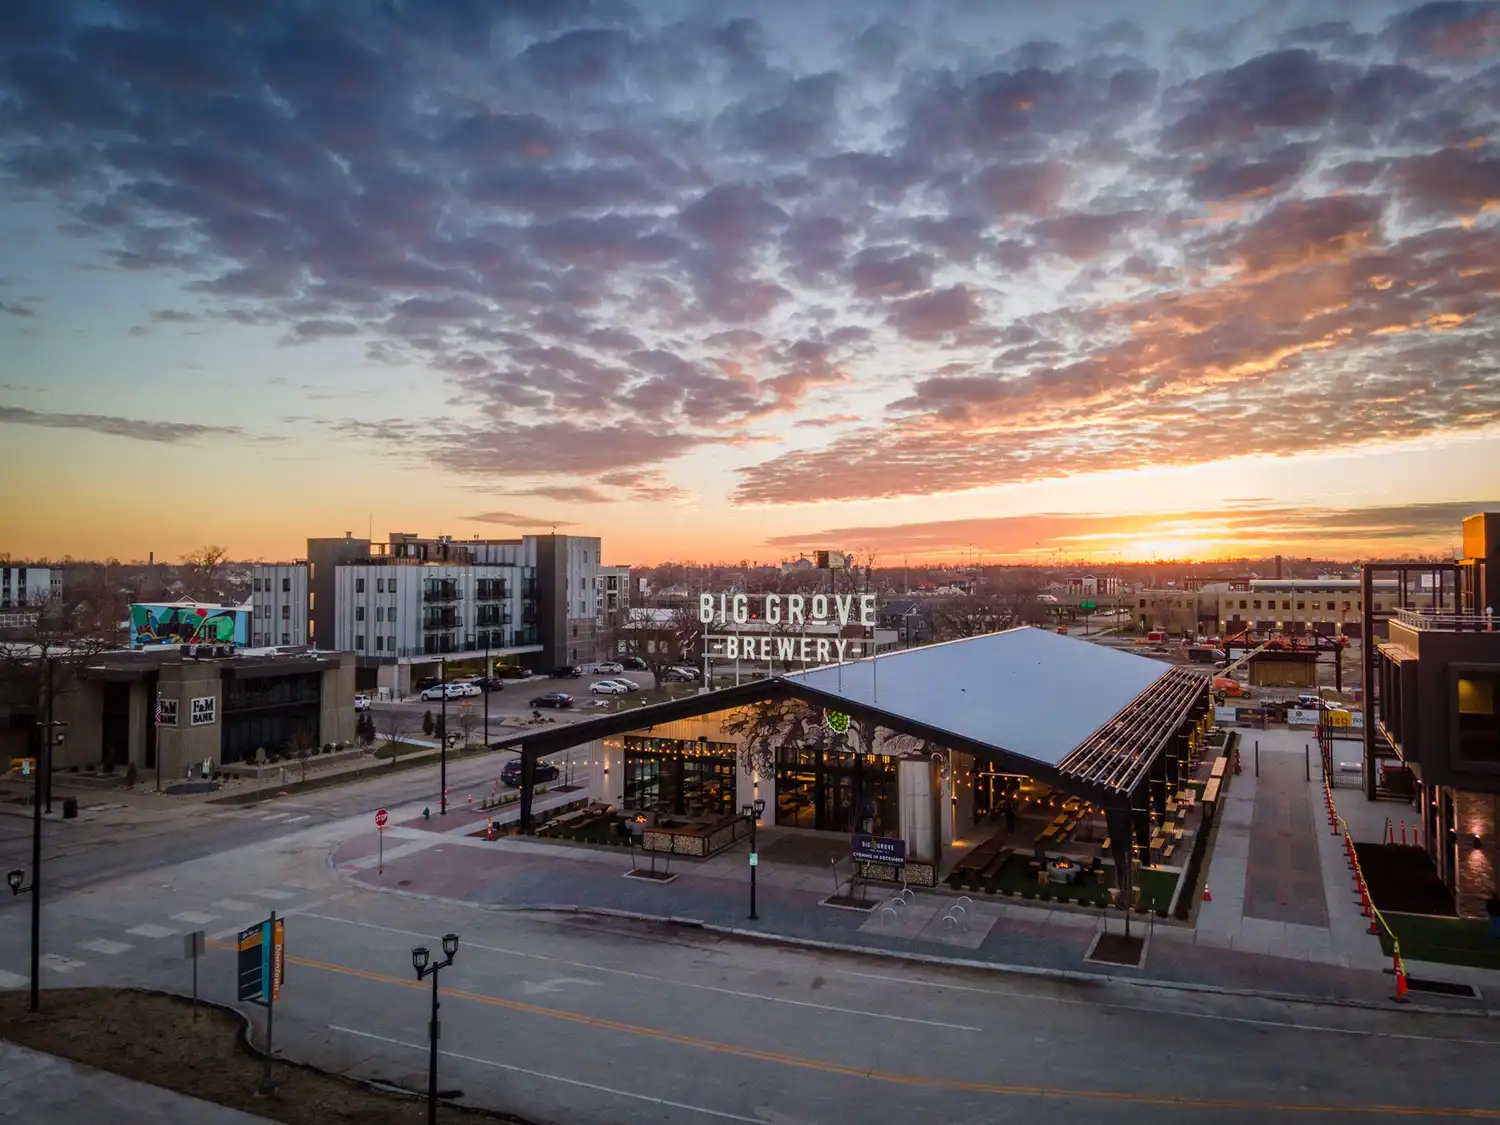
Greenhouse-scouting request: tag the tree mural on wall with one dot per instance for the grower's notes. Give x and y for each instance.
(762, 728)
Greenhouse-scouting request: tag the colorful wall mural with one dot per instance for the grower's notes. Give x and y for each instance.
(189, 625)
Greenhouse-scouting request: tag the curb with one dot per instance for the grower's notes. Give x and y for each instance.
(1074, 976)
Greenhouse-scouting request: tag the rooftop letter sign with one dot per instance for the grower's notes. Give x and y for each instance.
(791, 628)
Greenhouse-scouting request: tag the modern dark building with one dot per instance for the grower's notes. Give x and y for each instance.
(171, 709)
(1431, 687)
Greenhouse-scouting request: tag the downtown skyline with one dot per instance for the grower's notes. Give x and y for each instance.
(744, 280)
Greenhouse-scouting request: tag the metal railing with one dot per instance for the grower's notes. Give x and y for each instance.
(1425, 619)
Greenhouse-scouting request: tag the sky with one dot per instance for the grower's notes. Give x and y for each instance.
(721, 281)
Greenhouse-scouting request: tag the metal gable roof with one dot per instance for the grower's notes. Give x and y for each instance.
(1034, 693)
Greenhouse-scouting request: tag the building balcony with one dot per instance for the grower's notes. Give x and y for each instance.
(491, 619)
(447, 621)
(444, 593)
(1425, 620)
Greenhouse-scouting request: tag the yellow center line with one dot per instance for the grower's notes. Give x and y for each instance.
(910, 1080)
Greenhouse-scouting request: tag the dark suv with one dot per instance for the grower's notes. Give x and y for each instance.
(511, 774)
(566, 672)
(552, 699)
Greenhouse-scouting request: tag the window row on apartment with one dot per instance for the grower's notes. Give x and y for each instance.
(382, 644)
(1270, 603)
(380, 585)
(259, 640)
(1332, 606)
(263, 585)
(263, 610)
(382, 613)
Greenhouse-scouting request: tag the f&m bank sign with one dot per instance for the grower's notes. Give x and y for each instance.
(791, 628)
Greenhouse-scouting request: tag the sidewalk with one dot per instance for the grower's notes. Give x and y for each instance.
(46, 1090)
(520, 874)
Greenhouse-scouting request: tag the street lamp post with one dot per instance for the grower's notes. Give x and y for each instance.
(17, 879)
(421, 960)
(752, 813)
(443, 738)
(488, 676)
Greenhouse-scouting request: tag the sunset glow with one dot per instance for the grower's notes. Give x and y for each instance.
(738, 281)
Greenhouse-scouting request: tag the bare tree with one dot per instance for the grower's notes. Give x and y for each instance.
(970, 615)
(467, 723)
(300, 747)
(43, 656)
(395, 727)
(659, 638)
(202, 566)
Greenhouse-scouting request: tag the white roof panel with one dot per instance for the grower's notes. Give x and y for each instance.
(1035, 693)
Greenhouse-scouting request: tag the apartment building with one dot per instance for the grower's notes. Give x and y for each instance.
(279, 605)
(1433, 690)
(1300, 605)
(613, 591)
(408, 604)
(27, 587)
(1265, 605)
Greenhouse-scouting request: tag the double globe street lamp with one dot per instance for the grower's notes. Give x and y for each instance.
(421, 960)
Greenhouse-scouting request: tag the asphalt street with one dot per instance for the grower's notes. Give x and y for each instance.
(577, 1019)
(97, 848)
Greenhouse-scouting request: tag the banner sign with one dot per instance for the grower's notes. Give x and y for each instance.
(1301, 718)
(879, 849)
(203, 710)
(261, 959)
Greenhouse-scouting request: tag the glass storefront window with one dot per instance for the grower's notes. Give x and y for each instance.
(837, 792)
(680, 777)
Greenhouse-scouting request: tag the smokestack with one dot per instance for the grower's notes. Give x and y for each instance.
(150, 558)
(1278, 566)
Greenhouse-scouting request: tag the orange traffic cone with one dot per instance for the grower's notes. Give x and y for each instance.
(1207, 894)
(1403, 833)
(471, 801)
(489, 830)
(1400, 982)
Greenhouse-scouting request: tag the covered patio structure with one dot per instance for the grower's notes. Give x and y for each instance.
(1108, 727)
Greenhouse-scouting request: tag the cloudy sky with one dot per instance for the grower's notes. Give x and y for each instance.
(724, 280)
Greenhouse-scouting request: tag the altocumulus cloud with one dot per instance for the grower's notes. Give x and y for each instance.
(1025, 246)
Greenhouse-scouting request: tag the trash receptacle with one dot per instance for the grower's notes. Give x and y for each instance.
(70, 808)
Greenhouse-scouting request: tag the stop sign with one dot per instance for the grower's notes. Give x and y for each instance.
(381, 816)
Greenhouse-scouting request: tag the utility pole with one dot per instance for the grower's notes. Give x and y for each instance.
(443, 737)
(488, 676)
(43, 752)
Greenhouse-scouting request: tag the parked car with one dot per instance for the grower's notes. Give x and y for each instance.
(680, 674)
(489, 683)
(609, 687)
(609, 668)
(511, 774)
(552, 699)
(567, 672)
(633, 664)
(512, 672)
(361, 701)
(426, 682)
(452, 691)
